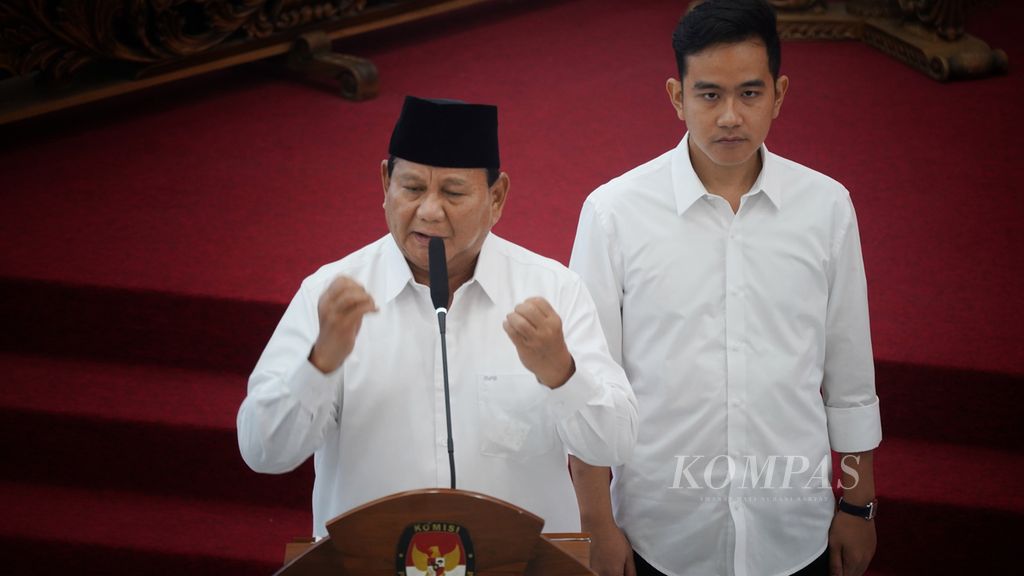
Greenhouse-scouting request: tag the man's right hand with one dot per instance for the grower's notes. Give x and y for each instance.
(610, 551)
(341, 309)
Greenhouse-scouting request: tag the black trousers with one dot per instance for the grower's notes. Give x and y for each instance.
(819, 567)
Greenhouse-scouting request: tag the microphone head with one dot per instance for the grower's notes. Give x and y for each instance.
(438, 274)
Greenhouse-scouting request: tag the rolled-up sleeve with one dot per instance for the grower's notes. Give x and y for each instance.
(848, 388)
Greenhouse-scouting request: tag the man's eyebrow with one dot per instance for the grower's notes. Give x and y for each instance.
(454, 181)
(701, 85)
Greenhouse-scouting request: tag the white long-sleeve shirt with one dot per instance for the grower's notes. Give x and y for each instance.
(376, 425)
(745, 337)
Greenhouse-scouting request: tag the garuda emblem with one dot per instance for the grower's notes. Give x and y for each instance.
(435, 549)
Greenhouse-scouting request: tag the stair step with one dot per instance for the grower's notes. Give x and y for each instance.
(950, 405)
(917, 537)
(968, 477)
(124, 324)
(44, 558)
(141, 429)
(946, 508)
(46, 527)
(128, 392)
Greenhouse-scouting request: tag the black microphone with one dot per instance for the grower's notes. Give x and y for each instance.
(439, 292)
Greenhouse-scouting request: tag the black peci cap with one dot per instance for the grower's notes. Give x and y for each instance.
(446, 133)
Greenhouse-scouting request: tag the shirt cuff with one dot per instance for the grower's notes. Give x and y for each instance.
(313, 387)
(854, 428)
(569, 398)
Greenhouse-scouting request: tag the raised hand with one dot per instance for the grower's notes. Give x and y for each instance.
(341, 309)
(536, 331)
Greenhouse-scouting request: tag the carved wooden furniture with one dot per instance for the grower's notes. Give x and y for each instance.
(926, 34)
(60, 53)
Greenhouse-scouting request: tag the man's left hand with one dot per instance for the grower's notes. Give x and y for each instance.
(851, 542)
(536, 331)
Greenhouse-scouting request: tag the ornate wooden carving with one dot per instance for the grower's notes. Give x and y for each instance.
(968, 57)
(798, 4)
(946, 17)
(60, 38)
(312, 55)
(60, 53)
(92, 49)
(926, 34)
(873, 8)
(822, 22)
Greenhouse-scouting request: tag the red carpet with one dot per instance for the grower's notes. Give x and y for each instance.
(150, 243)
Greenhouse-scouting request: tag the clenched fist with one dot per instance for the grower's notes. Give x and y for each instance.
(341, 309)
(536, 331)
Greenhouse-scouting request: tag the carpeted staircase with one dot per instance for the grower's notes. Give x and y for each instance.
(117, 430)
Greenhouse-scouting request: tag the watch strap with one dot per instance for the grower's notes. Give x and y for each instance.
(867, 512)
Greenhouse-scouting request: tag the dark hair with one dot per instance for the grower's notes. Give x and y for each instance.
(727, 21)
(492, 173)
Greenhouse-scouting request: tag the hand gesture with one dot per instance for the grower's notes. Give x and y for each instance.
(536, 331)
(341, 309)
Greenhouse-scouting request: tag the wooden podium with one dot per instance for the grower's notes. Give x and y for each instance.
(440, 532)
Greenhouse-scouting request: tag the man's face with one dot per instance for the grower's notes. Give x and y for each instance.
(454, 204)
(728, 100)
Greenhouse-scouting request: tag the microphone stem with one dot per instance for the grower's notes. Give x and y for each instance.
(441, 314)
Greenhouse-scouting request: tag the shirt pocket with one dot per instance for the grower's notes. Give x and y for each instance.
(514, 420)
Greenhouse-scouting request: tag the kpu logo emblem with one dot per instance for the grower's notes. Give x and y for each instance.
(435, 549)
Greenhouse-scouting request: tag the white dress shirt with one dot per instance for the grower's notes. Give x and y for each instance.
(376, 425)
(745, 337)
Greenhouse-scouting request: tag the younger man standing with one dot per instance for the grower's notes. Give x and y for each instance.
(730, 285)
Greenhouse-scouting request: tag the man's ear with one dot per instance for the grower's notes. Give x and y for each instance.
(675, 94)
(385, 179)
(499, 194)
(781, 86)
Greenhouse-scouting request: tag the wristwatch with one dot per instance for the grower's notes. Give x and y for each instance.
(866, 512)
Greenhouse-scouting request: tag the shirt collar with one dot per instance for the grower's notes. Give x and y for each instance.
(766, 181)
(399, 275)
(489, 273)
(688, 188)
